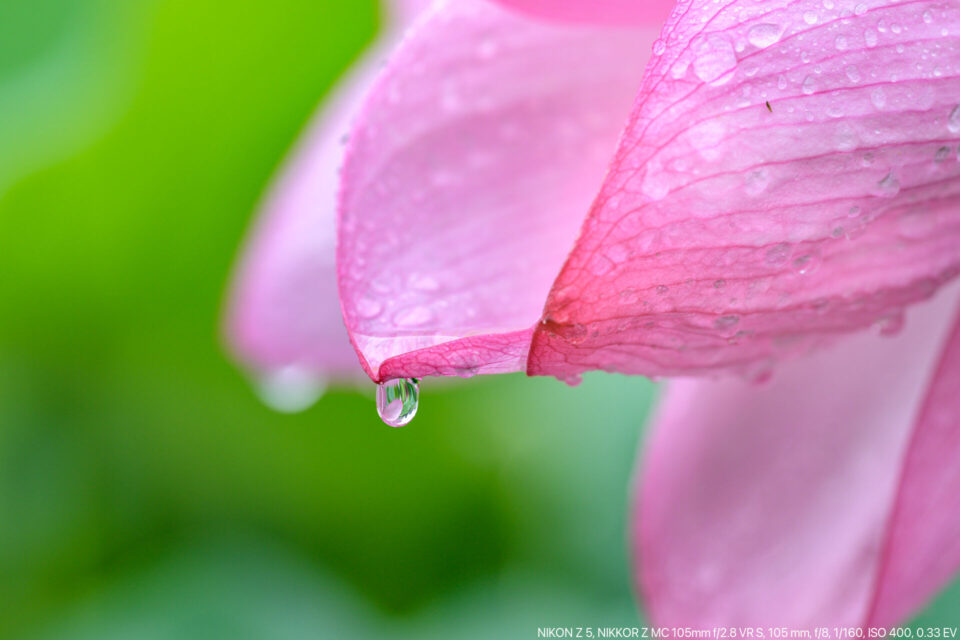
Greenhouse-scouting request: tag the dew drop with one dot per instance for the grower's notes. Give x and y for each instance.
(805, 264)
(811, 18)
(764, 35)
(397, 401)
(725, 322)
(870, 37)
(892, 324)
(659, 47)
(809, 85)
(715, 59)
(778, 254)
(942, 154)
(878, 97)
(953, 121)
(889, 186)
(853, 73)
(368, 308)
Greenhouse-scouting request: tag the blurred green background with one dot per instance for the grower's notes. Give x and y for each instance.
(144, 491)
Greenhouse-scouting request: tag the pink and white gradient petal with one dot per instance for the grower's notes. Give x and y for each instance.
(284, 317)
(774, 504)
(467, 176)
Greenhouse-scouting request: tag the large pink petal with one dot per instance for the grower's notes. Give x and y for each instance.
(789, 174)
(767, 505)
(602, 11)
(466, 179)
(283, 310)
(923, 546)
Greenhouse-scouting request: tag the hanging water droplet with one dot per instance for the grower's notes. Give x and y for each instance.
(942, 154)
(397, 401)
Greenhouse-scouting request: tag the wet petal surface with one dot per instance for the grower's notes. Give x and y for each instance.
(467, 177)
(789, 174)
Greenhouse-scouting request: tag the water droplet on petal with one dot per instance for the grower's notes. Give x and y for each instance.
(805, 263)
(878, 97)
(764, 35)
(953, 122)
(942, 154)
(892, 324)
(725, 322)
(659, 47)
(809, 85)
(368, 308)
(778, 254)
(397, 401)
(715, 58)
(290, 389)
(888, 187)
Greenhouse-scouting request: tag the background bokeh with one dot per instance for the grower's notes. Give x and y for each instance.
(145, 492)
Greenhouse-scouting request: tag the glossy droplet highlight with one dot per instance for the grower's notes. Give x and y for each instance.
(397, 401)
(764, 35)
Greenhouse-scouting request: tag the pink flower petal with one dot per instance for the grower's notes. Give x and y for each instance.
(768, 504)
(467, 176)
(789, 174)
(923, 547)
(283, 310)
(602, 11)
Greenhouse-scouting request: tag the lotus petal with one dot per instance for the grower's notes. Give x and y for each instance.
(467, 176)
(788, 175)
(283, 316)
(774, 504)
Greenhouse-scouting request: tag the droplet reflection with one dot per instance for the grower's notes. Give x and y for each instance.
(397, 401)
